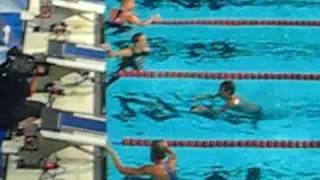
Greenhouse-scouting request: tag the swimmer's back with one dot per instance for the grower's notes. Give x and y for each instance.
(164, 172)
(243, 106)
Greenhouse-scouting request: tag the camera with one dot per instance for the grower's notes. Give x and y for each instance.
(23, 65)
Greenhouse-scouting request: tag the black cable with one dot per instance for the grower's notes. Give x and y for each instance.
(57, 173)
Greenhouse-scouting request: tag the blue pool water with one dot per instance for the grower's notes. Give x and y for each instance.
(159, 108)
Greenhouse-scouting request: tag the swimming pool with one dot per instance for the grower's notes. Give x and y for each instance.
(291, 108)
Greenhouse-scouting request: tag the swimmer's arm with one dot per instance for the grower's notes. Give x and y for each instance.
(133, 19)
(208, 96)
(172, 156)
(122, 53)
(127, 170)
(126, 52)
(113, 14)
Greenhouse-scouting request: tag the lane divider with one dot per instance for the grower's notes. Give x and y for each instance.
(222, 75)
(306, 144)
(240, 22)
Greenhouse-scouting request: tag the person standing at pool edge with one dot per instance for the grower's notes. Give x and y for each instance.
(233, 102)
(118, 18)
(161, 169)
(131, 57)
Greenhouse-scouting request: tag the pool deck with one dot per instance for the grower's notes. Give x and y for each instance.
(78, 165)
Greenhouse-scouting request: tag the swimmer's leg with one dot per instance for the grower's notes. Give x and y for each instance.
(236, 118)
(124, 65)
(166, 105)
(233, 118)
(256, 119)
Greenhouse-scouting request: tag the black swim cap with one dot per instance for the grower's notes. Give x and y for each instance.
(228, 86)
(135, 37)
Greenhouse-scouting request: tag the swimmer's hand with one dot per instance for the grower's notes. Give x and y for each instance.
(110, 150)
(164, 144)
(156, 18)
(147, 49)
(106, 47)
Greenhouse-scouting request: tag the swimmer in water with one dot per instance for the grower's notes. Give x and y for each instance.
(131, 57)
(233, 103)
(119, 18)
(163, 165)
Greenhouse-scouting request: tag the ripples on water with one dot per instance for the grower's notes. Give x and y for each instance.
(194, 52)
(173, 105)
(295, 117)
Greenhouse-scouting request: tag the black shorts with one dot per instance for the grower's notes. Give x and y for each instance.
(126, 64)
(27, 109)
(116, 28)
(11, 118)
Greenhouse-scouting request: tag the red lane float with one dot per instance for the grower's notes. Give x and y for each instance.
(222, 75)
(240, 22)
(229, 143)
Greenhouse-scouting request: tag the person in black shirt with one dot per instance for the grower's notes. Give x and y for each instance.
(15, 109)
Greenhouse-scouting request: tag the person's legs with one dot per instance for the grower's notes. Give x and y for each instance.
(27, 113)
(25, 122)
(115, 76)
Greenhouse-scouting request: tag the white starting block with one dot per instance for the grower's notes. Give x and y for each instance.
(76, 56)
(76, 138)
(81, 5)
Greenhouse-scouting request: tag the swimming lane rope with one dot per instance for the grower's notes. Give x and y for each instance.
(240, 22)
(222, 75)
(228, 143)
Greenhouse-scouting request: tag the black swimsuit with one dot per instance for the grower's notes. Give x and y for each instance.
(120, 28)
(134, 62)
